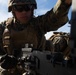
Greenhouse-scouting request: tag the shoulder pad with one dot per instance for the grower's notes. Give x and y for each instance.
(9, 21)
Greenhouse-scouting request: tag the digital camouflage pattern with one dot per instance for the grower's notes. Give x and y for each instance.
(15, 2)
(34, 31)
(2, 27)
(60, 42)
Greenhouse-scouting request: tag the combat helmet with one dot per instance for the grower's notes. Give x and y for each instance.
(15, 2)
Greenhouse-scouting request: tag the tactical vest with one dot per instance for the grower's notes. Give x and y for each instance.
(17, 39)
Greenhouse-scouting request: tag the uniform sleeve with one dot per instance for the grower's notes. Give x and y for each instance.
(1, 31)
(54, 18)
(2, 27)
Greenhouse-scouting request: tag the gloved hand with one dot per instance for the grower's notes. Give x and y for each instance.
(8, 61)
(67, 1)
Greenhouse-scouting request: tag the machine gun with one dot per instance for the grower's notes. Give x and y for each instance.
(47, 63)
(41, 63)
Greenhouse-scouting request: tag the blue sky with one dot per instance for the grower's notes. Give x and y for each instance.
(42, 7)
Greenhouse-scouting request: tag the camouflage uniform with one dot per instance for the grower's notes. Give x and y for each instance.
(33, 32)
(2, 27)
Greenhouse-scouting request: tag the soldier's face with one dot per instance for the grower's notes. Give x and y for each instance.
(23, 13)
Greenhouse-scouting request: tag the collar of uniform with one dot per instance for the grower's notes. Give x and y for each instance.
(18, 26)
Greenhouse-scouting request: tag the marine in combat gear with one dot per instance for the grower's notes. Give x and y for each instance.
(24, 28)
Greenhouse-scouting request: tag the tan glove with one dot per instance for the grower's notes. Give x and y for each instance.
(68, 1)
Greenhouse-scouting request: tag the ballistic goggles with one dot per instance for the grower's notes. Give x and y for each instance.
(24, 7)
